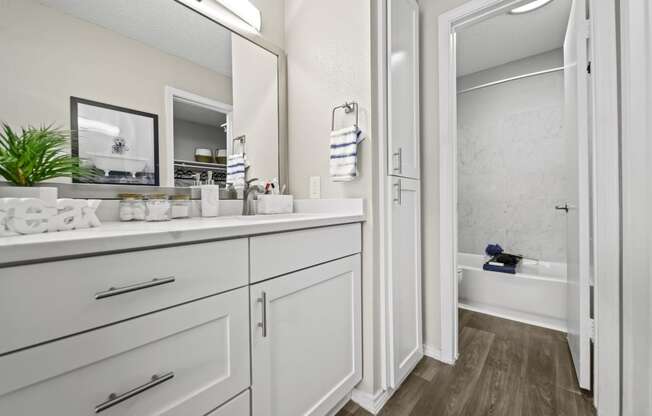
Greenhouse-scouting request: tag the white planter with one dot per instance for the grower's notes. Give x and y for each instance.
(46, 194)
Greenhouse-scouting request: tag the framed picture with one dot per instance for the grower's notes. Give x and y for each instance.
(119, 144)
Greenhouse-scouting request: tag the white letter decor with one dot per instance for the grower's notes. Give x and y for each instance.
(33, 216)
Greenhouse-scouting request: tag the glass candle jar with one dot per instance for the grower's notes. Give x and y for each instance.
(180, 206)
(131, 207)
(157, 208)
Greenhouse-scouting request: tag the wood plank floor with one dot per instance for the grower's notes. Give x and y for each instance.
(505, 368)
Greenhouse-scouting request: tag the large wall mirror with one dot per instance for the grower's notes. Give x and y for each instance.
(153, 92)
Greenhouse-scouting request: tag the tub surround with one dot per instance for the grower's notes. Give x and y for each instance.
(115, 236)
(512, 161)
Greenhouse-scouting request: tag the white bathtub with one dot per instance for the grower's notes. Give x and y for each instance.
(536, 294)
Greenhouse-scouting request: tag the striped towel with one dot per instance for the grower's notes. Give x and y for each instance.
(344, 154)
(235, 170)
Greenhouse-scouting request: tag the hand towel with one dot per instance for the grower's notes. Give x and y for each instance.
(235, 170)
(344, 154)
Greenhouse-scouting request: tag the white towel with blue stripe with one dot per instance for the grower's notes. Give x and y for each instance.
(344, 154)
(235, 170)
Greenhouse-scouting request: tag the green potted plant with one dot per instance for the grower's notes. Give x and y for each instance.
(32, 156)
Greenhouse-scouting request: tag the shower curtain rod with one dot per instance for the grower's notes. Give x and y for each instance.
(502, 81)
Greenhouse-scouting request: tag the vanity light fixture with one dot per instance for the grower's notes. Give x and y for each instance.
(530, 7)
(244, 10)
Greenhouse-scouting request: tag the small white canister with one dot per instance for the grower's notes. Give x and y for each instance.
(210, 199)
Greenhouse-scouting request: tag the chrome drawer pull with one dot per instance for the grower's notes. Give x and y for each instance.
(115, 399)
(115, 291)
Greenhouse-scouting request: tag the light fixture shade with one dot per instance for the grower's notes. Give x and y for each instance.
(529, 7)
(245, 10)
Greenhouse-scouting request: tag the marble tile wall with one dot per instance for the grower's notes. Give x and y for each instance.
(512, 168)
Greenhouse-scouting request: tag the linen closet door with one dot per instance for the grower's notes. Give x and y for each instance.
(578, 208)
(403, 88)
(404, 249)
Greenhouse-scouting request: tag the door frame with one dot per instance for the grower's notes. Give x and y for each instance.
(607, 197)
(171, 94)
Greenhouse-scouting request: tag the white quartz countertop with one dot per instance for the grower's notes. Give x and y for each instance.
(120, 236)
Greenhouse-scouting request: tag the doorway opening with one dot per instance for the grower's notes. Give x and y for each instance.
(517, 176)
(199, 132)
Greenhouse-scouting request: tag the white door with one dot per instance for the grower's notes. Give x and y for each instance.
(406, 343)
(306, 339)
(403, 88)
(579, 202)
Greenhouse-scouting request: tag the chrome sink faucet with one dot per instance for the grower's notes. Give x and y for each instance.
(249, 189)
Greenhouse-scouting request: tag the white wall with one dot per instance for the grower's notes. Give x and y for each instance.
(61, 59)
(512, 162)
(188, 136)
(255, 106)
(328, 45)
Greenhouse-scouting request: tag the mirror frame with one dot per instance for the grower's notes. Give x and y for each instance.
(104, 191)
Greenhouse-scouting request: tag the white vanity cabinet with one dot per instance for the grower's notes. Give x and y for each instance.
(306, 339)
(170, 331)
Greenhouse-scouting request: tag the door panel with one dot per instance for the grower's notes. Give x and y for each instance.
(306, 339)
(403, 88)
(406, 348)
(579, 202)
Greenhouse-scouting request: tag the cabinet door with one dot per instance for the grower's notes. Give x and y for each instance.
(403, 87)
(406, 344)
(306, 339)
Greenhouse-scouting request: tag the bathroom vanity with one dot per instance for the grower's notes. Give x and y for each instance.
(228, 316)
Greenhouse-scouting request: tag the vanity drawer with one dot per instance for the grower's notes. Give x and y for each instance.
(277, 254)
(199, 350)
(46, 301)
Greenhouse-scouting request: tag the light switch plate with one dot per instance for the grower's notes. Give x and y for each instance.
(315, 187)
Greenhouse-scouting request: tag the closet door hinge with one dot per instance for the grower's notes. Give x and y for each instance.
(588, 68)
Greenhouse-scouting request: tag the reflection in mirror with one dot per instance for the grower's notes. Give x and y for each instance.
(153, 92)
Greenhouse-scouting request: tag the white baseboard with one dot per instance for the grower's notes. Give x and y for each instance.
(435, 353)
(372, 403)
(526, 318)
(340, 405)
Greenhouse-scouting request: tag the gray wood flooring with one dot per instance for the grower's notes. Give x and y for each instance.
(505, 368)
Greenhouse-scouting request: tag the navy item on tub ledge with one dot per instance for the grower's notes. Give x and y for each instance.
(501, 262)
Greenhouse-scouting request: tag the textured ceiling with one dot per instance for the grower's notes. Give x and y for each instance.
(506, 38)
(164, 25)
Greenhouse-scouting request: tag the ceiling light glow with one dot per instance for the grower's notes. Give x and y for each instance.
(530, 7)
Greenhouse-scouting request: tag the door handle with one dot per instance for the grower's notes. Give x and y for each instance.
(562, 207)
(115, 399)
(263, 324)
(398, 199)
(398, 160)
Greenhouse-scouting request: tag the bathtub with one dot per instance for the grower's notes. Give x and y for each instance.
(535, 295)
